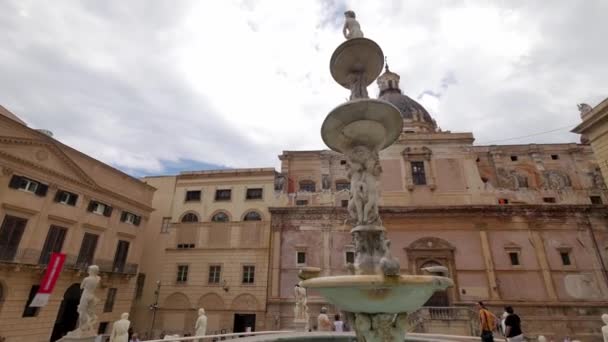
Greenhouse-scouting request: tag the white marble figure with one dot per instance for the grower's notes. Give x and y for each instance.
(542, 338)
(86, 308)
(351, 28)
(120, 329)
(200, 327)
(301, 308)
(363, 170)
(323, 322)
(605, 327)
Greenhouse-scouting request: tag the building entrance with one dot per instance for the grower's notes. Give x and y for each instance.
(244, 321)
(67, 316)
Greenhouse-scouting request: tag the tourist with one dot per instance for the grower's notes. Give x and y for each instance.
(487, 323)
(513, 331)
(338, 324)
(134, 338)
(502, 323)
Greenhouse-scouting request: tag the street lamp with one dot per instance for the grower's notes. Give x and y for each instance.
(154, 307)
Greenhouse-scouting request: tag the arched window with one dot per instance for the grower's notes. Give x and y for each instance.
(220, 217)
(190, 218)
(308, 186)
(252, 216)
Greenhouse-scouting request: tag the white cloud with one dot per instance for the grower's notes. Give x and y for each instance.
(233, 83)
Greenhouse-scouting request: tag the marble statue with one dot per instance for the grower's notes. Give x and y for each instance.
(323, 322)
(584, 108)
(542, 338)
(605, 327)
(200, 327)
(86, 307)
(381, 327)
(351, 28)
(301, 306)
(326, 182)
(363, 170)
(388, 264)
(120, 329)
(279, 183)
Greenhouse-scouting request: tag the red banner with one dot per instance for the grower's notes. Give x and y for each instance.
(49, 280)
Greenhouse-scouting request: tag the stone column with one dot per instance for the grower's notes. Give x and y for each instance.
(541, 256)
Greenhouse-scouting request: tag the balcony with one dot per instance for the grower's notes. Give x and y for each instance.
(221, 235)
(31, 258)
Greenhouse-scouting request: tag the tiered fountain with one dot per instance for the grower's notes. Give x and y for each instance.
(376, 294)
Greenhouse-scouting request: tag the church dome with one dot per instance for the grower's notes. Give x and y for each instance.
(415, 117)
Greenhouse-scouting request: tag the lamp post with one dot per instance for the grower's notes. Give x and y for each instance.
(154, 307)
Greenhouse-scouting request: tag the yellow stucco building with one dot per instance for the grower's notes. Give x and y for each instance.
(208, 248)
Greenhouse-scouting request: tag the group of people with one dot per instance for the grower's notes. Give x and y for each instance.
(325, 324)
(509, 326)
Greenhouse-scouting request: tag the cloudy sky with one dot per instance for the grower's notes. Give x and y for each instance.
(154, 86)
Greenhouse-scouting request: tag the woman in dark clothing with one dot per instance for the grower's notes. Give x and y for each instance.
(513, 326)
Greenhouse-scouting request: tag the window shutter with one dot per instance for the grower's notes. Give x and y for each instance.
(58, 196)
(123, 216)
(15, 181)
(107, 211)
(73, 199)
(91, 205)
(137, 220)
(10, 236)
(42, 189)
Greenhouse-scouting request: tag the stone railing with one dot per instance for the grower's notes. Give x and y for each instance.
(427, 314)
(31, 257)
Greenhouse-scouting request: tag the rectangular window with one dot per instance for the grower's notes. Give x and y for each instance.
(255, 193)
(514, 257)
(100, 208)
(10, 236)
(342, 186)
(350, 257)
(301, 258)
(549, 199)
(193, 196)
(120, 257)
(503, 201)
(223, 195)
(164, 227)
(182, 273)
(31, 311)
(596, 200)
(565, 258)
(29, 185)
(418, 175)
(139, 285)
(65, 197)
(185, 245)
(215, 274)
(301, 202)
(344, 203)
(52, 244)
(109, 304)
(554, 156)
(130, 218)
(248, 274)
(87, 250)
(514, 158)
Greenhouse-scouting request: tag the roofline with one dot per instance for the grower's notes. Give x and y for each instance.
(597, 114)
(264, 171)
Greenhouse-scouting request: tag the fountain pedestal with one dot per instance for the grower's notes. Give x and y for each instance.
(377, 295)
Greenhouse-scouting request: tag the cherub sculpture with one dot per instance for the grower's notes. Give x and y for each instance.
(363, 168)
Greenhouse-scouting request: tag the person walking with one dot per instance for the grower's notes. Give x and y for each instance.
(513, 331)
(487, 323)
(338, 324)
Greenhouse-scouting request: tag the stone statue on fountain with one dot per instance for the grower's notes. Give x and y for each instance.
(363, 167)
(87, 319)
(351, 28)
(300, 310)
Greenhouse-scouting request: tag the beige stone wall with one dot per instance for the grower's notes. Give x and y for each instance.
(26, 152)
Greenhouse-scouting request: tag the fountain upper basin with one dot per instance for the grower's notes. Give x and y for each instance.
(377, 293)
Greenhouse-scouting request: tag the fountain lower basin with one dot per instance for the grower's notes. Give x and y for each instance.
(378, 293)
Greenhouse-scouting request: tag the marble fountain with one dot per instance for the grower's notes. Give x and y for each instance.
(376, 296)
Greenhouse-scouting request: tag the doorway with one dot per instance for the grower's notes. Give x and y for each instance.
(243, 321)
(67, 316)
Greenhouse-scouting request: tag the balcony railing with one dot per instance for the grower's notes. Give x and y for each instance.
(31, 257)
(417, 319)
